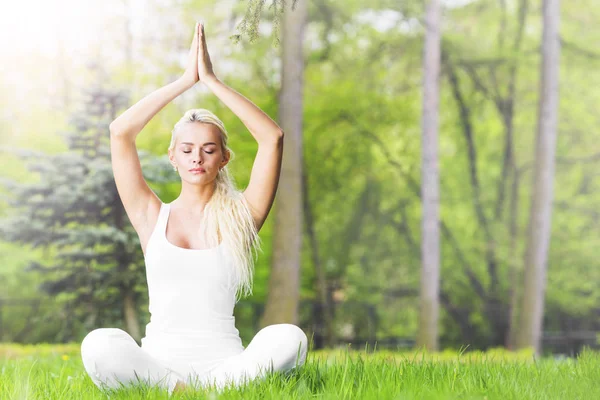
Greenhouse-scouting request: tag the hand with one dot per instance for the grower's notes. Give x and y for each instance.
(190, 75)
(205, 69)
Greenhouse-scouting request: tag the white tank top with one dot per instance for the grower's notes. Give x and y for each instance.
(191, 299)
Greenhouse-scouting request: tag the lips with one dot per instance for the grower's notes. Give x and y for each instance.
(197, 170)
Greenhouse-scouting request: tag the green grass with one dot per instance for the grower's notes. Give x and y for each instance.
(56, 372)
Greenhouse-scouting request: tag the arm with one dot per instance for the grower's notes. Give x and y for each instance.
(263, 128)
(260, 125)
(132, 121)
(138, 199)
(264, 177)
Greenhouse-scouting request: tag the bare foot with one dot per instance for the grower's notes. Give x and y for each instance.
(179, 387)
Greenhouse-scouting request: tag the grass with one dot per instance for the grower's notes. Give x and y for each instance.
(56, 372)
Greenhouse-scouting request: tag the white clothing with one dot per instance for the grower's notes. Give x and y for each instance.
(191, 335)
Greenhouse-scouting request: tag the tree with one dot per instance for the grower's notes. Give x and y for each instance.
(95, 264)
(538, 234)
(430, 187)
(284, 282)
(249, 24)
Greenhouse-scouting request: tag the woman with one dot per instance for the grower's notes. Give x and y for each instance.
(197, 249)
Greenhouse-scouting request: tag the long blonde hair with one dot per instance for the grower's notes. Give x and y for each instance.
(227, 212)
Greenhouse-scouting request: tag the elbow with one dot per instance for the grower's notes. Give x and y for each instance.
(279, 139)
(117, 130)
(271, 139)
(113, 128)
(122, 129)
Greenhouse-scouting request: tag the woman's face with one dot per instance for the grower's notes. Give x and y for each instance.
(197, 153)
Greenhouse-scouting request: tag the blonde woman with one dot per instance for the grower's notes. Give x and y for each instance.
(198, 249)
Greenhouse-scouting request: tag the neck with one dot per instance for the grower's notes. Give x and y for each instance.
(193, 198)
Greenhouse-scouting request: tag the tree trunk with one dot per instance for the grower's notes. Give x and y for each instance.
(130, 314)
(284, 283)
(430, 232)
(514, 274)
(538, 234)
(325, 319)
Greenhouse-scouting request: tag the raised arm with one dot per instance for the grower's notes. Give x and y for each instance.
(132, 121)
(260, 125)
(264, 177)
(139, 201)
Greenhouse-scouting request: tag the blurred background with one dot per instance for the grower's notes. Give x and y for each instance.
(71, 262)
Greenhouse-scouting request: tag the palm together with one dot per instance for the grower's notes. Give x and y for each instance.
(199, 67)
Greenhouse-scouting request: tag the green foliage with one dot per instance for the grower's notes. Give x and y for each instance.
(361, 131)
(250, 23)
(74, 212)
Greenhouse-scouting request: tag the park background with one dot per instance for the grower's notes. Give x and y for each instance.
(70, 261)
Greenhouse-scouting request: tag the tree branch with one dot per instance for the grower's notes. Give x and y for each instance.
(579, 50)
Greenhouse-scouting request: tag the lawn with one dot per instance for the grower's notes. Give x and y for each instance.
(56, 372)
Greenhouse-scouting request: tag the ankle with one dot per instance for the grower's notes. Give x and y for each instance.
(179, 386)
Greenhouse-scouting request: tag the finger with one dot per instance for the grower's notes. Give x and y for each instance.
(203, 37)
(194, 45)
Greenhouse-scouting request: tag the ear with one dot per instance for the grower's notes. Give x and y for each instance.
(171, 157)
(226, 158)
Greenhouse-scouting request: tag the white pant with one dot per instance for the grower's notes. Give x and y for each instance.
(113, 359)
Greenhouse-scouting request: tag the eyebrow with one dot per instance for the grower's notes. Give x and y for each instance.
(205, 144)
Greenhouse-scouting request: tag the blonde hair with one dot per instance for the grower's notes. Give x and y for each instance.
(227, 212)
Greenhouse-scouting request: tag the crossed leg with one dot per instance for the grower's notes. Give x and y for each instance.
(113, 359)
(279, 347)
